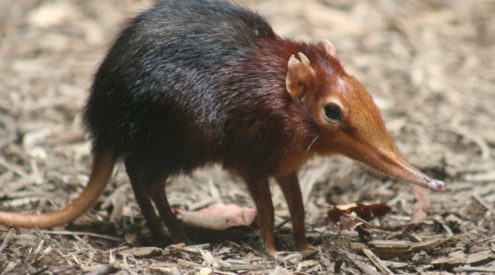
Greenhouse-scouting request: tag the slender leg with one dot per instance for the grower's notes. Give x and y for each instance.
(141, 192)
(174, 226)
(292, 193)
(260, 192)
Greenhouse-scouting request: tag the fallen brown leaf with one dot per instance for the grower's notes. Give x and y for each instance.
(366, 211)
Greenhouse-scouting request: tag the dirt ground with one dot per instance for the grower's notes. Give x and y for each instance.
(430, 66)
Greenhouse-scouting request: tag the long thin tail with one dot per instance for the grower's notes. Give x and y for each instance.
(103, 164)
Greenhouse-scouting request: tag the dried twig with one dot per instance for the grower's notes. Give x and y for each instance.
(89, 234)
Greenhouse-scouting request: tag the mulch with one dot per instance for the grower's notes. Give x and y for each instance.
(428, 64)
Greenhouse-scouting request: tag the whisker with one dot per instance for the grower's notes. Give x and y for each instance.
(312, 142)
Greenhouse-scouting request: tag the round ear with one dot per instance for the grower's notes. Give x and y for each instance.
(300, 75)
(329, 47)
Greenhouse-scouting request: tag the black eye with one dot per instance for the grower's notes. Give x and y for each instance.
(332, 113)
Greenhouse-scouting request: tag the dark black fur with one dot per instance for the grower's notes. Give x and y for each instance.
(190, 82)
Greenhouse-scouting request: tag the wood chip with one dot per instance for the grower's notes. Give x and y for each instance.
(355, 259)
(141, 251)
(480, 257)
(454, 258)
(103, 269)
(481, 177)
(377, 262)
(469, 269)
(390, 244)
(482, 202)
(427, 245)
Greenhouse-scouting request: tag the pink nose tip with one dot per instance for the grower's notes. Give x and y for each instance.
(435, 185)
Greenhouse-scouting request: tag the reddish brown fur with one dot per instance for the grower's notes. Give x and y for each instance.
(360, 135)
